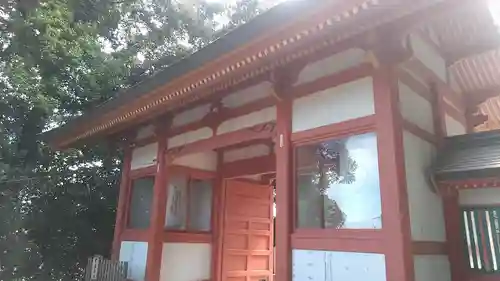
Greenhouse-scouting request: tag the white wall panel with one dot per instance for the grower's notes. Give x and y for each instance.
(145, 131)
(246, 152)
(415, 108)
(185, 262)
(135, 253)
(432, 268)
(453, 127)
(190, 137)
(337, 266)
(426, 208)
(454, 83)
(247, 95)
(203, 160)
(330, 65)
(347, 101)
(428, 56)
(191, 115)
(249, 120)
(144, 156)
(480, 196)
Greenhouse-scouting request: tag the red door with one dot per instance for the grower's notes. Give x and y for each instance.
(247, 250)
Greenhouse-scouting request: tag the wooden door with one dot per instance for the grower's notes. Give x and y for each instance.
(247, 249)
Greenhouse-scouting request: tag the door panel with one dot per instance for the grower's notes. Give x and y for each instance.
(248, 232)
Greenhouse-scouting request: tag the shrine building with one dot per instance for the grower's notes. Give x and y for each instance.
(333, 140)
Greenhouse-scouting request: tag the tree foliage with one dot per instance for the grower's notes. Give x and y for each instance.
(58, 59)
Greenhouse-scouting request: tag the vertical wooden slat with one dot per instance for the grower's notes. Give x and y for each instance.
(475, 239)
(483, 240)
(491, 241)
(468, 238)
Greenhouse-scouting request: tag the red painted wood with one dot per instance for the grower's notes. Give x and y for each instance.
(135, 235)
(261, 131)
(481, 277)
(247, 235)
(429, 248)
(351, 127)
(346, 245)
(395, 210)
(143, 172)
(252, 166)
(284, 189)
(187, 237)
(158, 214)
(350, 240)
(192, 172)
(218, 208)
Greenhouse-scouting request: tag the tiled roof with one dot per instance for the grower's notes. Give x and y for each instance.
(471, 156)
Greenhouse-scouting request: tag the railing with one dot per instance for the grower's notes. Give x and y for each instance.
(99, 269)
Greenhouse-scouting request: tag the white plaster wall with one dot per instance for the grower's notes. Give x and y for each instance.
(480, 196)
(203, 161)
(257, 117)
(426, 208)
(453, 127)
(191, 115)
(415, 108)
(337, 266)
(454, 83)
(145, 131)
(330, 65)
(431, 268)
(190, 137)
(247, 95)
(185, 262)
(428, 56)
(135, 253)
(144, 156)
(347, 101)
(246, 152)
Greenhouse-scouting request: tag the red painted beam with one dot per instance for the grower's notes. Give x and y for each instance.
(430, 248)
(261, 131)
(253, 166)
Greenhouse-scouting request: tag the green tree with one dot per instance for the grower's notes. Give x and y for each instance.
(58, 59)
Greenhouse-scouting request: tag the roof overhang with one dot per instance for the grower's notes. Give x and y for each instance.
(469, 157)
(286, 33)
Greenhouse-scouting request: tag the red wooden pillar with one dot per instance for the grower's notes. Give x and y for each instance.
(395, 210)
(454, 234)
(451, 205)
(122, 202)
(218, 220)
(158, 211)
(283, 191)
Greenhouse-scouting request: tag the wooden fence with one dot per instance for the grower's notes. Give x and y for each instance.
(99, 269)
